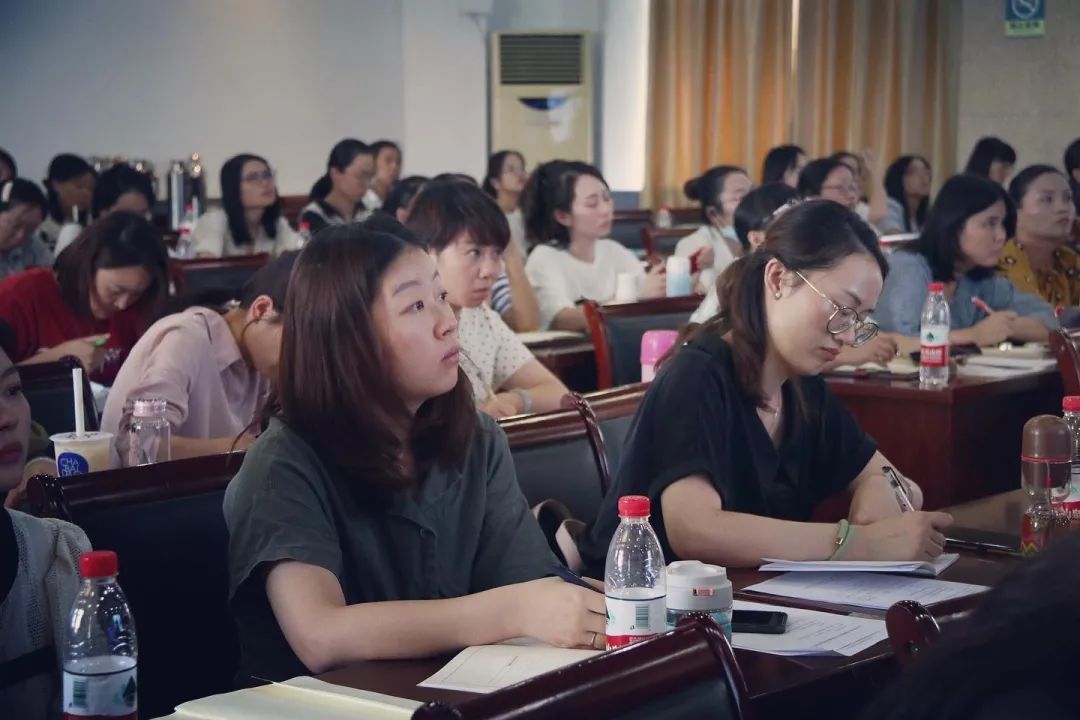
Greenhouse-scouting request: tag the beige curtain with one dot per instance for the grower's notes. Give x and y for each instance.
(719, 90)
(878, 75)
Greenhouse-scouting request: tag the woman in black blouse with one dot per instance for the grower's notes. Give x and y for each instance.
(737, 440)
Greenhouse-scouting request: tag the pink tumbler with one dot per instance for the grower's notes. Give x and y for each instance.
(654, 343)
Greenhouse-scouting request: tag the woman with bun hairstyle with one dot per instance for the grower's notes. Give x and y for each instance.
(714, 245)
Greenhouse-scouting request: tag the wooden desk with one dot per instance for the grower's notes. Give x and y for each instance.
(835, 687)
(959, 443)
(571, 359)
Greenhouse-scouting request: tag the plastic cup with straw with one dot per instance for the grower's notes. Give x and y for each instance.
(81, 451)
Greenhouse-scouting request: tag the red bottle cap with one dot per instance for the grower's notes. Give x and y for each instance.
(99, 563)
(1070, 403)
(937, 287)
(633, 506)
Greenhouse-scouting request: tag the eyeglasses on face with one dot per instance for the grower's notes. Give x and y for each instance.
(845, 318)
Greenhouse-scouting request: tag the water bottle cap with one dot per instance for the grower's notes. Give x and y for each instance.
(633, 506)
(98, 564)
(1070, 403)
(304, 225)
(149, 407)
(937, 287)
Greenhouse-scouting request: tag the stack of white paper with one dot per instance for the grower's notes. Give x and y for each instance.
(914, 567)
(810, 632)
(487, 668)
(861, 589)
(899, 368)
(536, 337)
(301, 697)
(1004, 366)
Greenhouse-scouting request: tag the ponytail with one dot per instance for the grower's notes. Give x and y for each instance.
(321, 188)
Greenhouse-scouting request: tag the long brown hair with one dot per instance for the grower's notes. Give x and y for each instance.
(335, 388)
(813, 235)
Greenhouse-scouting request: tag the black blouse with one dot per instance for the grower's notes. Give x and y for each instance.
(696, 420)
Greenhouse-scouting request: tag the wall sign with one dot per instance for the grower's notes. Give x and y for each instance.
(1025, 18)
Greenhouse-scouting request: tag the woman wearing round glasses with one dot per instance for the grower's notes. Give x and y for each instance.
(250, 220)
(737, 440)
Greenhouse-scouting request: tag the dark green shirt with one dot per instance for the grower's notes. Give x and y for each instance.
(460, 533)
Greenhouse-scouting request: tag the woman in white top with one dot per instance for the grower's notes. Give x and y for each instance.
(467, 234)
(714, 245)
(568, 214)
(70, 187)
(121, 187)
(338, 196)
(387, 156)
(250, 220)
(505, 181)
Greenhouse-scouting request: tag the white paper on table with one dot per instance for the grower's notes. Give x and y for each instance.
(301, 697)
(861, 589)
(1027, 350)
(1026, 364)
(540, 336)
(923, 569)
(811, 632)
(487, 668)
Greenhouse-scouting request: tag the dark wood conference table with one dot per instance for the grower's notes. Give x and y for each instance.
(571, 359)
(835, 687)
(958, 443)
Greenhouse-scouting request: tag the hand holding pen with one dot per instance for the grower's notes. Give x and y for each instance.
(996, 327)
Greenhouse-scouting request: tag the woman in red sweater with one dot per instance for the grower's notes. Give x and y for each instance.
(95, 301)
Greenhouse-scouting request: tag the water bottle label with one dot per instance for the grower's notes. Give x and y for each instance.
(104, 695)
(1071, 502)
(934, 350)
(630, 621)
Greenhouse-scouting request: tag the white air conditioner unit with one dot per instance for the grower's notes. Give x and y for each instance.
(542, 95)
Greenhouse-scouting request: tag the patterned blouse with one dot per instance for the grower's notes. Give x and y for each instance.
(1059, 286)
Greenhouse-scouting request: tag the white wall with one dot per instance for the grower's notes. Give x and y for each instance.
(161, 79)
(1024, 90)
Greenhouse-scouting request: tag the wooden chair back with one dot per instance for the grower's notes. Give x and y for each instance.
(228, 273)
(661, 242)
(690, 671)
(616, 332)
(47, 387)
(1065, 345)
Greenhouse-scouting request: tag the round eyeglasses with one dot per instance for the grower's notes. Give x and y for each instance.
(845, 318)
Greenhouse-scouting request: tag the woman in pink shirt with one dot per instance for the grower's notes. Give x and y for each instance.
(212, 368)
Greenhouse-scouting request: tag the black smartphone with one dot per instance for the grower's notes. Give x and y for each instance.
(763, 622)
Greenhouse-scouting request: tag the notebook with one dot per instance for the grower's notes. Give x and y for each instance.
(899, 368)
(914, 567)
(301, 697)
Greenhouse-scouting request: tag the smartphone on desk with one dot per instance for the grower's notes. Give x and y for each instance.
(961, 538)
(762, 622)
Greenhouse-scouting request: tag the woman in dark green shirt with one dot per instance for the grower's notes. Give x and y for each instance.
(379, 516)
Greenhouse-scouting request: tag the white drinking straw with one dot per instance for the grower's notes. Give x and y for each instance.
(80, 412)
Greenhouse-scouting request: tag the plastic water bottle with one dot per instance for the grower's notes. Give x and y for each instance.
(1070, 503)
(304, 231)
(663, 217)
(934, 339)
(635, 579)
(149, 435)
(185, 247)
(677, 276)
(100, 653)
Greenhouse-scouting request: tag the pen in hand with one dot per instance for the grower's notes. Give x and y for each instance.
(981, 304)
(898, 489)
(573, 578)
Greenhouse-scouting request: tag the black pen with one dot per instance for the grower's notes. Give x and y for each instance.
(898, 489)
(573, 578)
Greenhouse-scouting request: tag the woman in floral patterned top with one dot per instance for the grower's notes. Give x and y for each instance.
(1038, 260)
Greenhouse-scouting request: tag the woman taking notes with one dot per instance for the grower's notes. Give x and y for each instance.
(568, 214)
(212, 368)
(961, 246)
(379, 516)
(467, 235)
(737, 439)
